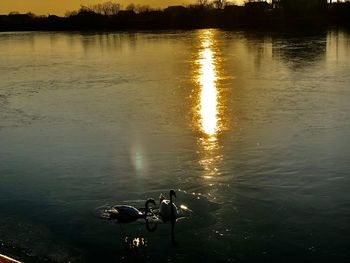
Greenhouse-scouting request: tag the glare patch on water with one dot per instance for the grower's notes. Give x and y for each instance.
(207, 110)
(138, 159)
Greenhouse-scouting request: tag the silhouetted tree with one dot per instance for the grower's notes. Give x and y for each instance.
(131, 7)
(219, 4)
(85, 10)
(300, 7)
(71, 13)
(142, 9)
(106, 8)
(203, 3)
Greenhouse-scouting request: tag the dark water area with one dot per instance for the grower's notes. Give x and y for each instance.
(251, 130)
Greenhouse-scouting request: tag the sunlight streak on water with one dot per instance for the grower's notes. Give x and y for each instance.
(207, 79)
(208, 104)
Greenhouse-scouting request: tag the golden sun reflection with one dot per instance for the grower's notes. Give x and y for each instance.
(207, 79)
(208, 103)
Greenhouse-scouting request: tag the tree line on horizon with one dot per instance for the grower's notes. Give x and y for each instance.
(205, 13)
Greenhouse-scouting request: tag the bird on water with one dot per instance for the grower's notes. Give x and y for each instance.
(128, 214)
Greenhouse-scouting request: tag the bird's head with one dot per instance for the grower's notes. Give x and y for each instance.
(149, 201)
(161, 198)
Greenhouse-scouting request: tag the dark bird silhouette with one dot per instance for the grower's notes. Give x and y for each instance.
(128, 214)
(167, 209)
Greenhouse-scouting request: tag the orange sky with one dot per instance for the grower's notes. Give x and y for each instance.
(59, 7)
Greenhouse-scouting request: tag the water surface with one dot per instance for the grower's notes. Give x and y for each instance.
(251, 130)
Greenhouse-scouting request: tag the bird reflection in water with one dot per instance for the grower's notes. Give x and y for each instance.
(136, 242)
(136, 248)
(208, 107)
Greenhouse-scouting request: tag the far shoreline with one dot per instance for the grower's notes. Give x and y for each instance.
(253, 16)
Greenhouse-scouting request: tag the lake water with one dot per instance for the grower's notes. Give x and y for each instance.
(252, 130)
